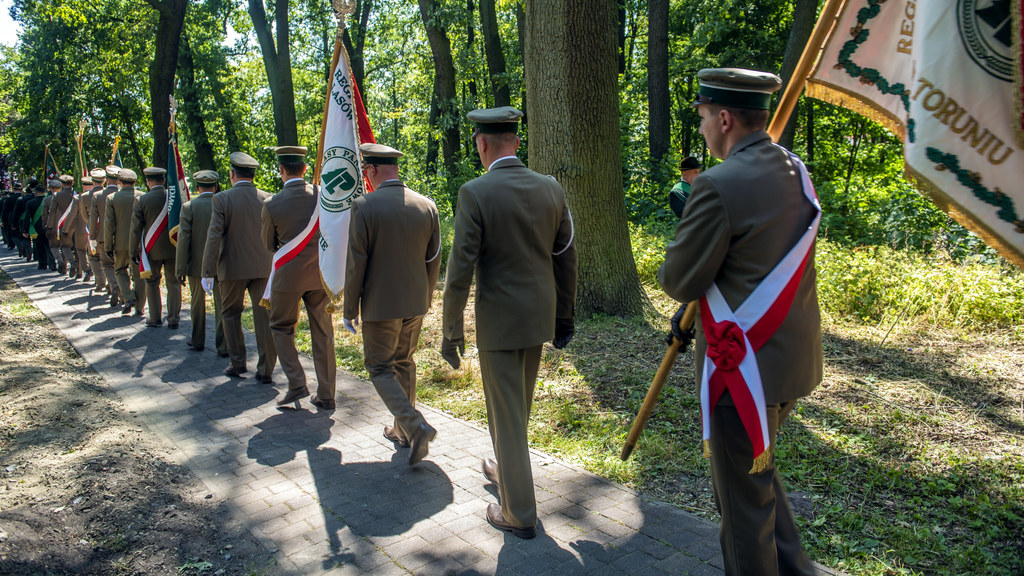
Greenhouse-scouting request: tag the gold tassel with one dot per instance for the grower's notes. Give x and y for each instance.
(707, 449)
(146, 275)
(763, 460)
(265, 303)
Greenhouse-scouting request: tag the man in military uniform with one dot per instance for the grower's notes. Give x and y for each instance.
(99, 212)
(88, 206)
(34, 227)
(285, 216)
(61, 244)
(192, 229)
(514, 230)
(236, 256)
(689, 168)
(161, 254)
(117, 239)
(747, 234)
(74, 227)
(17, 218)
(49, 235)
(394, 257)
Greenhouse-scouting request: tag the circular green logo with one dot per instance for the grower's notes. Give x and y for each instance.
(340, 180)
(986, 30)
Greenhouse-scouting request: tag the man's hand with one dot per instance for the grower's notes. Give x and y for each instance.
(676, 332)
(207, 284)
(565, 329)
(183, 279)
(350, 325)
(452, 350)
(110, 254)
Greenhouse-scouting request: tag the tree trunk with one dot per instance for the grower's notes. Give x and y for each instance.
(521, 32)
(804, 13)
(659, 119)
(622, 35)
(354, 37)
(161, 72)
(189, 106)
(495, 55)
(572, 82)
(278, 62)
(444, 85)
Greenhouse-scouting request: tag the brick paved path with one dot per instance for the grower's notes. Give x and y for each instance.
(326, 493)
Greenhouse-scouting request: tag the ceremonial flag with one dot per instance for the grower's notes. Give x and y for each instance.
(177, 185)
(947, 78)
(81, 159)
(115, 155)
(338, 178)
(50, 166)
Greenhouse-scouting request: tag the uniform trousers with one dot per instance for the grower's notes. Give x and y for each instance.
(173, 292)
(232, 293)
(67, 253)
(82, 260)
(388, 348)
(757, 533)
(197, 311)
(107, 268)
(129, 283)
(284, 316)
(509, 377)
(99, 276)
(41, 249)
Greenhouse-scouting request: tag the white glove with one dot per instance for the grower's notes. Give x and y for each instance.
(350, 325)
(207, 285)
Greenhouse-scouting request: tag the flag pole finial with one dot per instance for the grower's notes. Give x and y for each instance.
(342, 8)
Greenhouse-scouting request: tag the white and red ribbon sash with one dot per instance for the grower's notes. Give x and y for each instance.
(67, 212)
(734, 337)
(159, 225)
(290, 250)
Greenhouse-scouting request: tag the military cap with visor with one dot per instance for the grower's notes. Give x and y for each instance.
(127, 175)
(206, 177)
(501, 120)
(112, 170)
(54, 184)
(291, 153)
(86, 180)
(379, 154)
(66, 179)
(154, 171)
(243, 160)
(736, 88)
(97, 173)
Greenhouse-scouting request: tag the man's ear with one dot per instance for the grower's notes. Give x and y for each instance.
(726, 120)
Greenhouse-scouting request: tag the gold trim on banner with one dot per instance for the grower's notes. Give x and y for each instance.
(855, 102)
(965, 218)
(1018, 70)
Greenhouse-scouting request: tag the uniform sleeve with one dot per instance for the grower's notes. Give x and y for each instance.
(137, 233)
(461, 264)
(213, 239)
(433, 255)
(108, 225)
(268, 232)
(694, 256)
(355, 263)
(183, 250)
(565, 265)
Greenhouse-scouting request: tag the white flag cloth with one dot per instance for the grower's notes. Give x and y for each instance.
(341, 178)
(941, 75)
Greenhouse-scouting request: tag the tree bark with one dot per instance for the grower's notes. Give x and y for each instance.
(278, 62)
(659, 119)
(447, 117)
(161, 72)
(354, 38)
(521, 33)
(189, 106)
(804, 13)
(495, 55)
(572, 82)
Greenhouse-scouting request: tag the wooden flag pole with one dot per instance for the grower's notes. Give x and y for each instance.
(795, 87)
(654, 391)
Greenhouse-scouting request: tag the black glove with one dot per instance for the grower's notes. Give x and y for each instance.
(135, 260)
(183, 279)
(676, 332)
(564, 331)
(451, 350)
(110, 255)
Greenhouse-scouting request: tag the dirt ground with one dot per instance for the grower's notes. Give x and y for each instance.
(83, 489)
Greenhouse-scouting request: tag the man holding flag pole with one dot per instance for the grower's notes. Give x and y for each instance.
(152, 248)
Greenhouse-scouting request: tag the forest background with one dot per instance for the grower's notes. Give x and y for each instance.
(606, 87)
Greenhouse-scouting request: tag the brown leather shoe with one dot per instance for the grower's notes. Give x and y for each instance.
(496, 519)
(322, 403)
(265, 378)
(391, 434)
(490, 468)
(418, 445)
(293, 395)
(235, 372)
(127, 309)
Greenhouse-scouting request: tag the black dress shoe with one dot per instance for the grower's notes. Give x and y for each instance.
(153, 324)
(265, 378)
(222, 354)
(293, 395)
(419, 444)
(235, 372)
(490, 468)
(127, 308)
(113, 299)
(391, 434)
(172, 325)
(495, 518)
(323, 404)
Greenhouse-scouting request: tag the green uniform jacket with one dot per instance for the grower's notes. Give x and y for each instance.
(147, 209)
(195, 222)
(394, 254)
(117, 222)
(513, 230)
(59, 205)
(742, 218)
(234, 249)
(285, 215)
(99, 211)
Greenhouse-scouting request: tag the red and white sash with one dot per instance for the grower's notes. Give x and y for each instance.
(290, 250)
(734, 337)
(67, 212)
(159, 225)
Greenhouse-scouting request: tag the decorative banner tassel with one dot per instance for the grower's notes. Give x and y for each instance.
(763, 460)
(707, 449)
(265, 303)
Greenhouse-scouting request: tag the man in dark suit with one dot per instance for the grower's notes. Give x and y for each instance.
(745, 237)
(286, 216)
(394, 258)
(99, 226)
(192, 229)
(514, 230)
(161, 254)
(61, 244)
(17, 219)
(117, 226)
(33, 226)
(236, 256)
